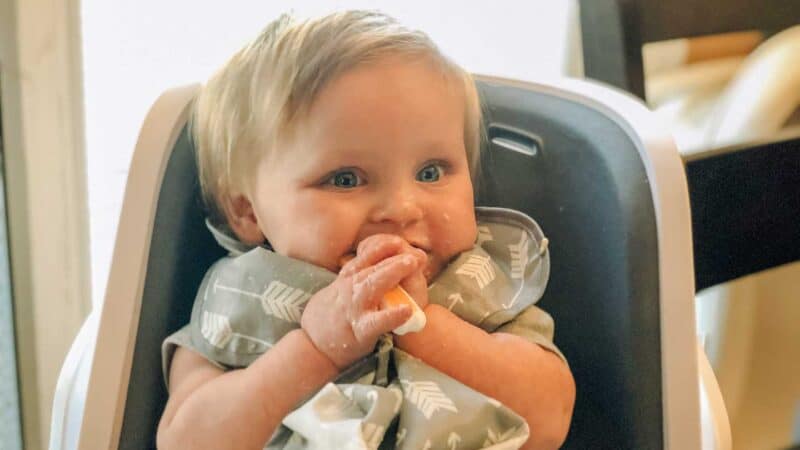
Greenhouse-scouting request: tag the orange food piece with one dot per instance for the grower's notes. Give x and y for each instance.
(398, 296)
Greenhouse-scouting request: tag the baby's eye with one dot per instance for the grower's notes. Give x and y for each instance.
(345, 179)
(430, 173)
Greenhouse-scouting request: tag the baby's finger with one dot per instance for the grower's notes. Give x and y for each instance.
(373, 250)
(375, 323)
(370, 243)
(367, 246)
(417, 287)
(370, 284)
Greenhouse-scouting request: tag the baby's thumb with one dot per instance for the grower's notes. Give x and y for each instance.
(417, 287)
(375, 323)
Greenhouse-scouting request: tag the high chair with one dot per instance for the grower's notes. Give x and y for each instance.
(590, 164)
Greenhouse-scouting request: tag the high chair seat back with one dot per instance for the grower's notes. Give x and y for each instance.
(588, 163)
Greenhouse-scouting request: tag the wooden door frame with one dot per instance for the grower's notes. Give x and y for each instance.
(48, 224)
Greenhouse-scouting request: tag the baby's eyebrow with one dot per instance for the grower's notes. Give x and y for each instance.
(442, 146)
(339, 156)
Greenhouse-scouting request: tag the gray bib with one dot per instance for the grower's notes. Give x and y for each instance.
(250, 299)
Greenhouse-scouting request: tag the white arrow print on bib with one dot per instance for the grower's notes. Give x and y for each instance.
(519, 256)
(216, 328)
(496, 438)
(479, 268)
(284, 302)
(279, 300)
(453, 440)
(484, 234)
(455, 299)
(427, 397)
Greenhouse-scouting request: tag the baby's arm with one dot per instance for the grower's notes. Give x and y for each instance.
(240, 409)
(530, 380)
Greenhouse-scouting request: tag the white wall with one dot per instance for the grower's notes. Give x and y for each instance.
(133, 51)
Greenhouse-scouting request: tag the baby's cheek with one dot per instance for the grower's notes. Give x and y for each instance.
(335, 244)
(457, 231)
(331, 252)
(313, 245)
(453, 233)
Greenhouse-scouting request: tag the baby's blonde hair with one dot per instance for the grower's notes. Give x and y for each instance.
(259, 95)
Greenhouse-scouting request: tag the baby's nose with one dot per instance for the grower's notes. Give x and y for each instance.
(400, 208)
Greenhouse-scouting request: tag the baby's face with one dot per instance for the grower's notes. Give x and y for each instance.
(381, 151)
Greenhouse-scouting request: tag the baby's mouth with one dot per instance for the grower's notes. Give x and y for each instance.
(346, 258)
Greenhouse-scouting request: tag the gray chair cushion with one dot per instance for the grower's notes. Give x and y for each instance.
(586, 185)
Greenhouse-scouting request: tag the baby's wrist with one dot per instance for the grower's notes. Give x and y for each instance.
(437, 318)
(433, 307)
(310, 350)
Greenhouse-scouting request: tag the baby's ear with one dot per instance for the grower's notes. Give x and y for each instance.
(242, 219)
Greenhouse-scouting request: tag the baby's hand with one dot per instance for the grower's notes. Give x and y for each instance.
(345, 319)
(376, 247)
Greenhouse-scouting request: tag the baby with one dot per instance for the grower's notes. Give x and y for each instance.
(337, 159)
